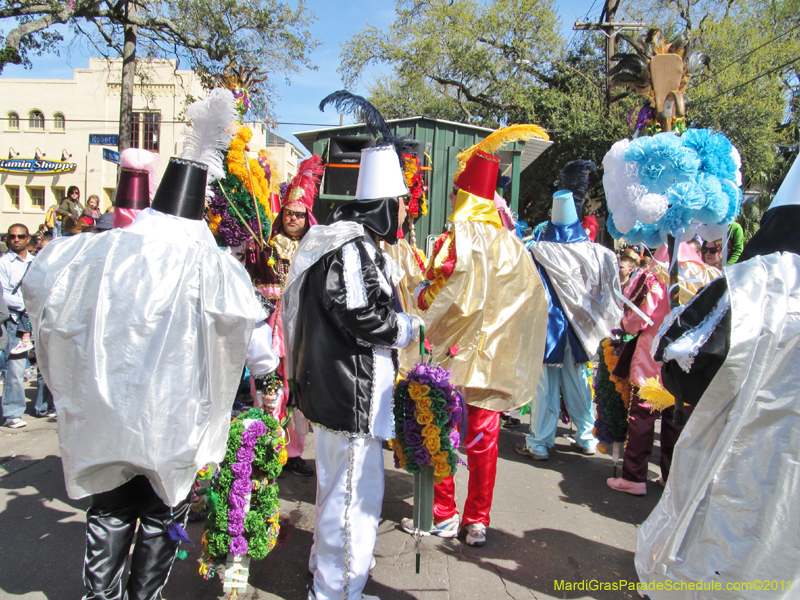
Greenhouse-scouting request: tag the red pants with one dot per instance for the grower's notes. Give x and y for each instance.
(641, 433)
(482, 457)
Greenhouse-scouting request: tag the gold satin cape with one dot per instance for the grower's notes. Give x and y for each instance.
(493, 306)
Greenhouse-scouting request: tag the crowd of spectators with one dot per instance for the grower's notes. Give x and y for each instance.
(18, 248)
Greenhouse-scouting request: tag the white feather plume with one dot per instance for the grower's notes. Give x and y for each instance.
(214, 121)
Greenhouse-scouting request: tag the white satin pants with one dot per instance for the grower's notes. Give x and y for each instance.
(349, 498)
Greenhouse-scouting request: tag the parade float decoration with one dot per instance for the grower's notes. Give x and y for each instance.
(242, 204)
(427, 412)
(244, 510)
(670, 182)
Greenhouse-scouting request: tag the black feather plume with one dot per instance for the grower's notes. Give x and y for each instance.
(575, 178)
(361, 108)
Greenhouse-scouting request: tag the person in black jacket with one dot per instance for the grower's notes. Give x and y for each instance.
(343, 325)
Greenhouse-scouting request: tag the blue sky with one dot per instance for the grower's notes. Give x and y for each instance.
(337, 21)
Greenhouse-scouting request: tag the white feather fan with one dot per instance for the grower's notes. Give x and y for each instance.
(214, 122)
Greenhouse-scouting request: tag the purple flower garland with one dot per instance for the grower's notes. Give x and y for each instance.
(241, 486)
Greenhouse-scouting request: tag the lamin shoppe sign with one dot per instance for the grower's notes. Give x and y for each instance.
(36, 165)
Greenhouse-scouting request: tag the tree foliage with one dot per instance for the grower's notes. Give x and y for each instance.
(492, 64)
(503, 61)
(266, 34)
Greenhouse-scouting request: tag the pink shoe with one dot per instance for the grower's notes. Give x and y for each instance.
(629, 487)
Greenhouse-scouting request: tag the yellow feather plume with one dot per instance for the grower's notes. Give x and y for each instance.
(655, 395)
(492, 143)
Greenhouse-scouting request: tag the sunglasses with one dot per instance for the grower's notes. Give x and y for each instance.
(710, 250)
(294, 213)
(20, 236)
(406, 200)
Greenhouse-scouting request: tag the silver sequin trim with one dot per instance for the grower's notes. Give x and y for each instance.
(189, 163)
(348, 501)
(372, 399)
(349, 434)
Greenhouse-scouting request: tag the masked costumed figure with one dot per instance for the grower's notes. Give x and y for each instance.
(342, 327)
(486, 297)
(581, 278)
(727, 517)
(136, 186)
(144, 359)
(648, 292)
(269, 269)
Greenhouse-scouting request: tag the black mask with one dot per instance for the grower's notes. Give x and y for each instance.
(379, 216)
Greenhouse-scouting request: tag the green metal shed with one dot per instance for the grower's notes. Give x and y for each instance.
(442, 140)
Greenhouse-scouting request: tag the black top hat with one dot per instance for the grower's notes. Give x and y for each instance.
(182, 191)
(133, 189)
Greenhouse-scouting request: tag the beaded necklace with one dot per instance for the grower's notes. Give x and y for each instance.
(276, 264)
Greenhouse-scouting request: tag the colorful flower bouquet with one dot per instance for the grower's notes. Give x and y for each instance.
(243, 500)
(427, 410)
(611, 395)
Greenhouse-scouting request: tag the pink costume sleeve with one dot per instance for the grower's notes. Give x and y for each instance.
(631, 322)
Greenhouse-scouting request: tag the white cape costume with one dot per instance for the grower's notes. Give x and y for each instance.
(584, 275)
(118, 319)
(728, 515)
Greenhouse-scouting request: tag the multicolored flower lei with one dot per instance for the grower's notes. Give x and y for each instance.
(254, 458)
(427, 410)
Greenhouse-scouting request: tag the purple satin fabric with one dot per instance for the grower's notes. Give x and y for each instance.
(133, 190)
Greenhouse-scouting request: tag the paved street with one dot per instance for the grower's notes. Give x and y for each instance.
(550, 521)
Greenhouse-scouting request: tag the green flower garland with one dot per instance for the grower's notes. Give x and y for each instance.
(261, 523)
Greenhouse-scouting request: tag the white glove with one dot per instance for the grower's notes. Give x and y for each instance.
(416, 323)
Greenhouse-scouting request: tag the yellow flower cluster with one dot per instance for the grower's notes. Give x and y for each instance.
(430, 432)
(611, 359)
(236, 166)
(397, 447)
(213, 222)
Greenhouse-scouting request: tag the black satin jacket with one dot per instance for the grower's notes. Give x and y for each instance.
(335, 337)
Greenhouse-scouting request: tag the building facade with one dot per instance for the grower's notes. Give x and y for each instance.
(56, 133)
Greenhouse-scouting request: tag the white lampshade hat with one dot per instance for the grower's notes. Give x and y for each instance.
(380, 175)
(789, 192)
(563, 212)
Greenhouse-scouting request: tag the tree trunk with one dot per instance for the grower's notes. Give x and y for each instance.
(128, 72)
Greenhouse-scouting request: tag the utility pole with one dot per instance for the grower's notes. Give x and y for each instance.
(610, 29)
(128, 72)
